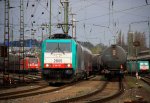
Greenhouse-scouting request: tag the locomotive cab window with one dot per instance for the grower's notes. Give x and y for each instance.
(33, 60)
(58, 47)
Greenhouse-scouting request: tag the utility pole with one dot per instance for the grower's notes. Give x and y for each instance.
(130, 43)
(149, 32)
(66, 5)
(65, 25)
(21, 48)
(42, 34)
(73, 26)
(50, 21)
(33, 44)
(5, 48)
(114, 39)
(12, 35)
(148, 21)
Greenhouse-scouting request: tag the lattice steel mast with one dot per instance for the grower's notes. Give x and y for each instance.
(6, 39)
(21, 48)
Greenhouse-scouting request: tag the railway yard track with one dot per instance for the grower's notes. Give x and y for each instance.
(146, 79)
(77, 92)
(94, 90)
(42, 89)
(35, 91)
(102, 94)
(18, 80)
(31, 92)
(136, 91)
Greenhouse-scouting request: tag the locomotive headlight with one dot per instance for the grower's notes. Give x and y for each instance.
(47, 65)
(68, 65)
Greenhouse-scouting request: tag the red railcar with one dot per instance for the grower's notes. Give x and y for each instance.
(31, 64)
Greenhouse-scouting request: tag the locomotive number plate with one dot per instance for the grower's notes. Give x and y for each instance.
(57, 60)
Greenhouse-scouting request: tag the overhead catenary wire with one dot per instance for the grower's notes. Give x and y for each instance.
(115, 12)
(58, 16)
(33, 13)
(28, 21)
(84, 7)
(122, 12)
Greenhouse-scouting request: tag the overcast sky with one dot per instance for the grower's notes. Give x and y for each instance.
(98, 20)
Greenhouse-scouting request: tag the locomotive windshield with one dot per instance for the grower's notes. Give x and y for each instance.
(33, 60)
(58, 47)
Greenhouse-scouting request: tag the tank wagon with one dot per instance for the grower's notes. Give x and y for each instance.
(114, 61)
(96, 64)
(65, 60)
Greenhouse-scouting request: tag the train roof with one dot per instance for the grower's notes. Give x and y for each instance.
(60, 36)
(85, 48)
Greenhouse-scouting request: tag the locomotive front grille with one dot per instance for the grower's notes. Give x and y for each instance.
(57, 74)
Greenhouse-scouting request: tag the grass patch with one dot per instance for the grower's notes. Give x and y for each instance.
(131, 81)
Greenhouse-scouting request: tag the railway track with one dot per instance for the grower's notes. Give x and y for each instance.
(102, 94)
(35, 91)
(31, 92)
(146, 80)
(17, 80)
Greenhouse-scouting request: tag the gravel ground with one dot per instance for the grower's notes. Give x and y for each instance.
(135, 90)
(71, 91)
(18, 89)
